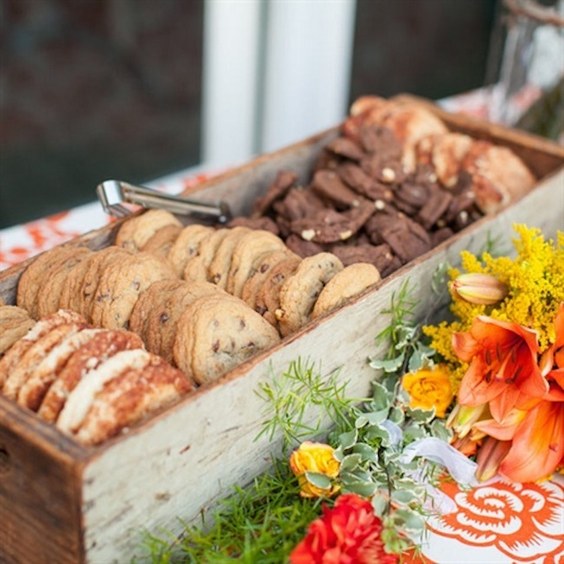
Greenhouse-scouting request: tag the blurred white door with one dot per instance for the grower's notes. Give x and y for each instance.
(275, 71)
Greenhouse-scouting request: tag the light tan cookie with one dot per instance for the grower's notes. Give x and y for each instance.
(249, 247)
(70, 294)
(215, 334)
(300, 292)
(15, 322)
(163, 319)
(445, 153)
(151, 298)
(49, 291)
(36, 273)
(259, 272)
(197, 267)
(43, 374)
(135, 232)
(33, 356)
(161, 242)
(267, 301)
(96, 268)
(221, 261)
(120, 286)
(103, 345)
(187, 245)
(350, 282)
(130, 397)
(499, 176)
(9, 362)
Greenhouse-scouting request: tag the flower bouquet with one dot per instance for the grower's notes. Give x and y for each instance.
(453, 404)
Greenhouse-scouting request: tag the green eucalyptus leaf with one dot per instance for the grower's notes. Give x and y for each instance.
(318, 480)
(338, 454)
(405, 483)
(413, 432)
(439, 429)
(388, 365)
(421, 358)
(362, 475)
(376, 417)
(409, 520)
(347, 478)
(379, 432)
(404, 497)
(366, 452)
(380, 505)
(396, 415)
(380, 397)
(347, 440)
(421, 415)
(350, 462)
(364, 489)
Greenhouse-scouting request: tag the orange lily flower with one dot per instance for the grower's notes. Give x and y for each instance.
(503, 368)
(554, 356)
(537, 448)
(536, 439)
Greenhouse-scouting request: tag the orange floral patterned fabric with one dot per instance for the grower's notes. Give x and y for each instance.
(503, 522)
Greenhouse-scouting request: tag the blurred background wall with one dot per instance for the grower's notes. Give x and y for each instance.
(135, 89)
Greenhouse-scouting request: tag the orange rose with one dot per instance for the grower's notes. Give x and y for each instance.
(317, 458)
(428, 389)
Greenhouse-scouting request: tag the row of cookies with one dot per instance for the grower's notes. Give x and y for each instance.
(103, 286)
(251, 264)
(223, 256)
(116, 288)
(90, 383)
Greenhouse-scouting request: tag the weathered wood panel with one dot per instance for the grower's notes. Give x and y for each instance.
(40, 490)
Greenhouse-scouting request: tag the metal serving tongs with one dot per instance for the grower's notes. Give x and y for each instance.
(114, 193)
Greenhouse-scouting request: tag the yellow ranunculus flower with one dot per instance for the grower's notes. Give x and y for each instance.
(315, 457)
(429, 388)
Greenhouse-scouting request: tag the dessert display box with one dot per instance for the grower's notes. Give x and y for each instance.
(62, 502)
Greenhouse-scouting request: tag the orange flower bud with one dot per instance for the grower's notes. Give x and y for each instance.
(316, 458)
(462, 417)
(480, 289)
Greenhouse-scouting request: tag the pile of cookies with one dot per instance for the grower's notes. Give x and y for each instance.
(252, 264)
(394, 184)
(90, 383)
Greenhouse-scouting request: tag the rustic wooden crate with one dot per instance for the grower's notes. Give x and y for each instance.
(62, 502)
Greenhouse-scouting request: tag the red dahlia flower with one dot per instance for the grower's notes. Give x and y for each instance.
(348, 533)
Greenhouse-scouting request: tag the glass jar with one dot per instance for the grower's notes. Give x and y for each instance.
(529, 93)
